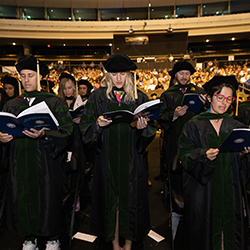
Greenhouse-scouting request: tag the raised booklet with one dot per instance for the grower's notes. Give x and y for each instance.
(193, 101)
(38, 117)
(77, 112)
(236, 140)
(149, 110)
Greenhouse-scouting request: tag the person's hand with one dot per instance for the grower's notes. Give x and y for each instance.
(180, 111)
(141, 123)
(212, 153)
(4, 138)
(102, 122)
(202, 98)
(34, 133)
(246, 150)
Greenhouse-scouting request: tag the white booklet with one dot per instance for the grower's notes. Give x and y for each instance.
(38, 117)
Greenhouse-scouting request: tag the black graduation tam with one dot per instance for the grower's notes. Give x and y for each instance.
(119, 63)
(182, 65)
(85, 82)
(30, 62)
(9, 80)
(218, 80)
(66, 75)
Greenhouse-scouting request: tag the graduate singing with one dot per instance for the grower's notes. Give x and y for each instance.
(213, 210)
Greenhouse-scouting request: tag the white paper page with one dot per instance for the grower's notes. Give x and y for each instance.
(243, 129)
(40, 108)
(155, 236)
(146, 105)
(85, 237)
(7, 114)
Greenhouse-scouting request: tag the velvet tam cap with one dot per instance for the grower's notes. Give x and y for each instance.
(119, 63)
(182, 65)
(218, 80)
(30, 62)
(66, 75)
(9, 80)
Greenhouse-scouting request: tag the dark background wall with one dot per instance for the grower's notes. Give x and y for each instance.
(158, 44)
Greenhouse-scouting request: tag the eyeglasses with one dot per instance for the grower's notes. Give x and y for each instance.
(221, 98)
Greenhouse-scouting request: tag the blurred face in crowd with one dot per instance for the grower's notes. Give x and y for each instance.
(69, 89)
(29, 79)
(83, 90)
(44, 88)
(118, 79)
(183, 77)
(9, 89)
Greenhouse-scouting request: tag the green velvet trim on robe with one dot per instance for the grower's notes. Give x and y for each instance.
(179, 86)
(27, 184)
(118, 148)
(222, 197)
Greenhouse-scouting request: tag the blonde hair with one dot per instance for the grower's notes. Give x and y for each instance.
(128, 86)
(62, 85)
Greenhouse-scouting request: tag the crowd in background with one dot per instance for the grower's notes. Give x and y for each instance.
(156, 79)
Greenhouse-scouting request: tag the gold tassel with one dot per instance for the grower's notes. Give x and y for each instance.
(237, 101)
(136, 96)
(48, 86)
(19, 87)
(38, 76)
(76, 89)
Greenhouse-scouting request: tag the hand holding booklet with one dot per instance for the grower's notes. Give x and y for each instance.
(38, 117)
(193, 101)
(236, 140)
(149, 110)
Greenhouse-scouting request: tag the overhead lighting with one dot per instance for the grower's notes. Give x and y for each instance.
(48, 45)
(127, 17)
(131, 31)
(149, 5)
(13, 43)
(64, 44)
(118, 18)
(87, 44)
(169, 30)
(207, 40)
(233, 38)
(110, 44)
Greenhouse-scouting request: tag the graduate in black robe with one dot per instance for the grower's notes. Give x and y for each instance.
(244, 112)
(212, 179)
(119, 191)
(11, 89)
(173, 116)
(35, 185)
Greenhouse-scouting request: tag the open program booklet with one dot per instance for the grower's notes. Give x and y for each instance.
(149, 110)
(236, 140)
(38, 117)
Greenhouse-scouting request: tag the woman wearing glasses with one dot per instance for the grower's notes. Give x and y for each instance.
(214, 217)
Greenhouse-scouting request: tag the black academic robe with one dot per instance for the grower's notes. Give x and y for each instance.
(212, 189)
(171, 99)
(244, 112)
(120, 172)
(35, 183)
